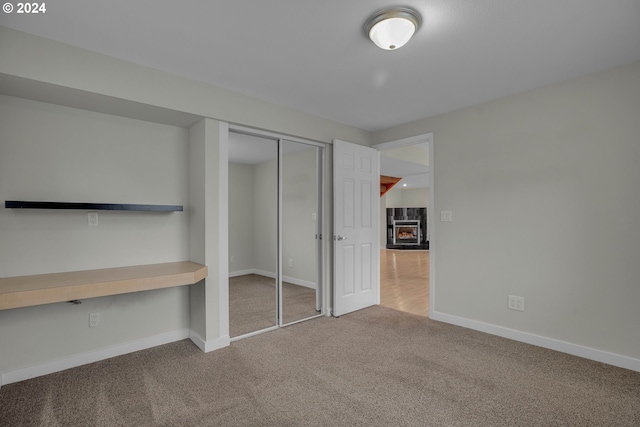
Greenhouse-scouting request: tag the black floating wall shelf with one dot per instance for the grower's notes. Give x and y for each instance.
(13, 204)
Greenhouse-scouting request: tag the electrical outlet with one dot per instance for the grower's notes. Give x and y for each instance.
(232, 259)
(313, 216)
(290, 262)
(446, 216)
(94, 319)
(93, 219)
(516, 303)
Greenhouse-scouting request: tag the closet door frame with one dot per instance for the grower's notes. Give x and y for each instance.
(320, 228)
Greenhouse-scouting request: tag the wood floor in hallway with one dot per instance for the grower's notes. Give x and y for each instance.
(404, 280)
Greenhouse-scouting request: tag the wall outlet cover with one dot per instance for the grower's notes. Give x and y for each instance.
(516, 303)
(93, 219)
(94, 319)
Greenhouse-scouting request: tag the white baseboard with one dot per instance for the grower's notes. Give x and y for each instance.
(211, 345)
(240, 273)
(252, 271)
(299, 282)
(540, 341)
(271, 275)
(58, 365)
(264, 273)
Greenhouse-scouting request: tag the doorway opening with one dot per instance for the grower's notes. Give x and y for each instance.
(276, 254)
(406, 245)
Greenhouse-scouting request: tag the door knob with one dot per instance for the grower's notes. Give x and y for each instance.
(338, 238)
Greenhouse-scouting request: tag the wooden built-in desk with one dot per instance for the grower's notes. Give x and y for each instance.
(25, 291)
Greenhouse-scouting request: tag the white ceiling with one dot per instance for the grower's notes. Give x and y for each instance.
(251, 150)
(313, 56)
(414, 173)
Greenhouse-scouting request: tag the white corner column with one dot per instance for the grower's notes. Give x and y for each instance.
(208, 235)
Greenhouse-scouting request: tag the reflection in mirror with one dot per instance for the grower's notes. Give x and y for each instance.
(300, 226)
(253, 195)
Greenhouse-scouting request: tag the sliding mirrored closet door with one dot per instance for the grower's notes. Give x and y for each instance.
(253, 234)
(300, 230)
(275, 219)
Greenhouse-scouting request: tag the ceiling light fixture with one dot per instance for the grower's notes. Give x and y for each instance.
(392, 28)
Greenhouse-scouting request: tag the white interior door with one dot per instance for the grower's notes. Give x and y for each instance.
(356, 193)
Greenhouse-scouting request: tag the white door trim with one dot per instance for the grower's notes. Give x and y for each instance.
(406, 142)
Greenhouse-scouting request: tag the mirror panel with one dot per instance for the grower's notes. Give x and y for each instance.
(253, 245)
(301, 217)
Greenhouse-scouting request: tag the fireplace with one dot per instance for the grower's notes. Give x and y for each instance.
(407, 228)
(406, 232)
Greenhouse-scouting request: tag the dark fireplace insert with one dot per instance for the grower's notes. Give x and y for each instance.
(407, 228)
(406, 232)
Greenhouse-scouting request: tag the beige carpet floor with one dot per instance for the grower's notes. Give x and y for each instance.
(375, 367)
(252, 303)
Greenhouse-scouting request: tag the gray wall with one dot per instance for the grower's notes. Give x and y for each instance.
(542, 186)
(544, 192)
(411, 198)
(54, 153)
(241, 213)
(265, 219)
(208, 232)
(299, 202)
(253, 219)
(152, 163)
(56, 72)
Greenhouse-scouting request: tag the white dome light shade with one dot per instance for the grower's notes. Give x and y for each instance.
(392, 33)
(391, 29)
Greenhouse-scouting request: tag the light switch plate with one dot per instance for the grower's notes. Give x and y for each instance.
(446, 216)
